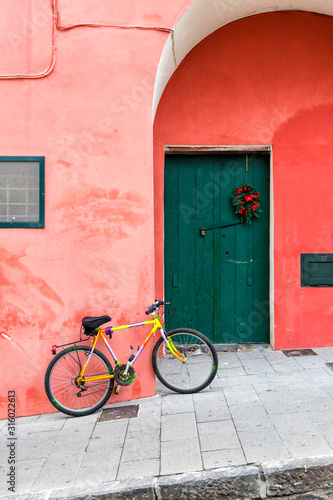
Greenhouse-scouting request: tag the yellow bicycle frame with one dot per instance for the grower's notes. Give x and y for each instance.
(101, 332)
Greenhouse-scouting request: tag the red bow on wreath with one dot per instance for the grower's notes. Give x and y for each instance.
(245, 202)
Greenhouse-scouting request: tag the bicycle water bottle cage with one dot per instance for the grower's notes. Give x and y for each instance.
(90, 323)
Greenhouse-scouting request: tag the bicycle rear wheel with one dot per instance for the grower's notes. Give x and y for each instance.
(61, 386)
(200, 361)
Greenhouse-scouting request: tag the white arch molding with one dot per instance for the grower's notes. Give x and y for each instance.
(203, 17)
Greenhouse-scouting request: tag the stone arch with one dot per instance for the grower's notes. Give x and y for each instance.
(204, 17)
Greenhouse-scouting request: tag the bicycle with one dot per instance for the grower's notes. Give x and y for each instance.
(80, 379)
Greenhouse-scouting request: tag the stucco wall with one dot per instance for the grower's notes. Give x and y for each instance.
(91, 118)
(267, 79)
(82, 97)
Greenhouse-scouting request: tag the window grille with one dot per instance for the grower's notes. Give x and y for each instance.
(21, 191)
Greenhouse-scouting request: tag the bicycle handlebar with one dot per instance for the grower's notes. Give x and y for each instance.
(156, 306)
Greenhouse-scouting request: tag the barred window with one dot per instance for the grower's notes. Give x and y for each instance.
(22, 191)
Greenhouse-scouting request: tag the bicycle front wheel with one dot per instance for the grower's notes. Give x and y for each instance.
(198, 364)
(61, 384)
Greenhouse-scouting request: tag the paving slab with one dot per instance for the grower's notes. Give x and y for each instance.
(257, 366)
(139, 468)
(180, 456)
(36, 446)
(98, 467)
(218, 435)
(210, 406)
(279, 401)
(264, 423)
(171, 404)
(299, 447)
(108, 435)
(141, 445)
(214, 459)
(179, 426)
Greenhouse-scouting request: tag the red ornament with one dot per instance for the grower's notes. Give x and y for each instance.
(245, 202)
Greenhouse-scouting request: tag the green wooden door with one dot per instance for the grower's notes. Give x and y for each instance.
(217, 283)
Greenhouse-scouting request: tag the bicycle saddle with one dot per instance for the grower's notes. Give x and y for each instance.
(95, 321)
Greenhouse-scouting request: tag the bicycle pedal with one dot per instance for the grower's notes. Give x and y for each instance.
(117, 389)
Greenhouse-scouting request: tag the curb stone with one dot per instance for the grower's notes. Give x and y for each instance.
(136, 489)
(232, 482)
(255, 481)
(293, 476)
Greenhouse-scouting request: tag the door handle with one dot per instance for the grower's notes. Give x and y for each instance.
(225, 224)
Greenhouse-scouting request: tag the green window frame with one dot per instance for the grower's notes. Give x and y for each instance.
(22, 191)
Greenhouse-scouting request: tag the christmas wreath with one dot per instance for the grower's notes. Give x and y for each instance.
(245, 202)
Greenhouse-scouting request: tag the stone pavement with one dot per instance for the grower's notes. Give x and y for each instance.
(263, 428)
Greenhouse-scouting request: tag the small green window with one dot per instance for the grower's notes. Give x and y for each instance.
(22, 191)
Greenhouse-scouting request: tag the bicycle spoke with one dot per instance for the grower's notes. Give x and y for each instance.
(69, 396)
(200, 358)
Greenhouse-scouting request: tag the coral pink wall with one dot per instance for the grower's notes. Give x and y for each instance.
(261, 80)
(131, 12)
(267, 79)
(91, 118)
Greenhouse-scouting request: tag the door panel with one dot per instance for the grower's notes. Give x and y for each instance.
(217, 283)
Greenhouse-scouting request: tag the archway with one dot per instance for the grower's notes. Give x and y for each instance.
(204, 17)
(239, 88)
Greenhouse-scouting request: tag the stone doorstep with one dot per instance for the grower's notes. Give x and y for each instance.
(271, 479)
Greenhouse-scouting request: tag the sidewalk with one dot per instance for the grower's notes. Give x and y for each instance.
(265, 416)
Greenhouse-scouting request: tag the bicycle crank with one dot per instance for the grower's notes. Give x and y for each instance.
(122, 377)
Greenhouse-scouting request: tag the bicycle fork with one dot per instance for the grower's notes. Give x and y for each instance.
(168, 342)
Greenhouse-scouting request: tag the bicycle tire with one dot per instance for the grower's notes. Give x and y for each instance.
(60, 381)
(199, 369)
